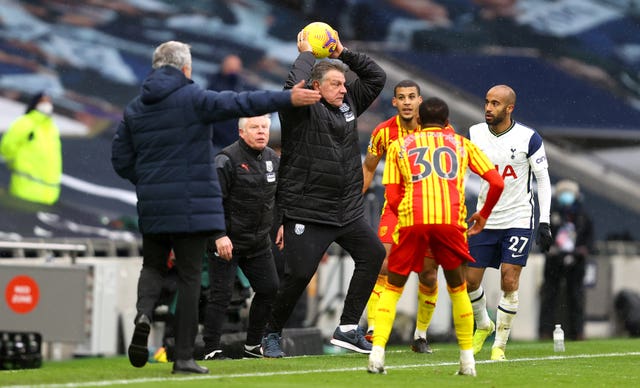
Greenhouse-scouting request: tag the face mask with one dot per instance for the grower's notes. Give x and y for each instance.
(45, 107)
(566, 198)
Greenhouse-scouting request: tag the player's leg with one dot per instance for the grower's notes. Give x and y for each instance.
(385, 317)
(372, 304)
(386, 227)
(515, 251)
(484, 325)
(401, 259)
(507, 308)
(427, 298)
(462, 319)
(450, 249)
(485, 248)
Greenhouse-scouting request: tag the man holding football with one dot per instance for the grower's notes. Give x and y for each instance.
(320, 187)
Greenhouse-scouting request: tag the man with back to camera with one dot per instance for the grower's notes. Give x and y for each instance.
(247, 171)
(425, 182)
(406, 99)
(517, 151)
(163, 146)
(320, 188)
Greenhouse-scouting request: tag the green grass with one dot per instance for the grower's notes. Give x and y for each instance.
(593, 363)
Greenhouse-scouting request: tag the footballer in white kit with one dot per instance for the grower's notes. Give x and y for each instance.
(518, 153)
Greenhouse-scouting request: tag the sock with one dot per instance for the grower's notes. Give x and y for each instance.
(479, 304)
(427, 298)
(346, 328)
(372, 304)
(466, 358)
(507, 310)
(386, 314)
(462, 316)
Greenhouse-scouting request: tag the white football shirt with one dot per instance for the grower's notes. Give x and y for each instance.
(517, 153)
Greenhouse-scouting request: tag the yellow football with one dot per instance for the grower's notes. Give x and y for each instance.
(322, 38)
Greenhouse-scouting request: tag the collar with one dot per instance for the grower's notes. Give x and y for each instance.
(432, 128)
(255, 153)
(513, 123)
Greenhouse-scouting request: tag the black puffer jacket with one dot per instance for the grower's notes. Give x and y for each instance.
(321, 167)
(248, 179)
(163, 146)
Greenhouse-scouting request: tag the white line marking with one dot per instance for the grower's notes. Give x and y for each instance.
(301, 372)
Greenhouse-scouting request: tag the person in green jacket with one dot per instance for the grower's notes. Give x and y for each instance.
(32, 151)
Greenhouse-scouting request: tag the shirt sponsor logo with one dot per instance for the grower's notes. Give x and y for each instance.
(269, 165)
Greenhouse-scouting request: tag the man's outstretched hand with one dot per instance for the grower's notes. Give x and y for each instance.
(301, 96)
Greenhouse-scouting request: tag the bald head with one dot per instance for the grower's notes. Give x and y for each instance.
(504, 93)
(498, 106)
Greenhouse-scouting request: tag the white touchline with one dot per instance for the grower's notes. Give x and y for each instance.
(105, 383)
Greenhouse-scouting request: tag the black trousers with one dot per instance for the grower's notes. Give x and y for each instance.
(263, 277)
(189, 249)
(563, 297)
(304, 247)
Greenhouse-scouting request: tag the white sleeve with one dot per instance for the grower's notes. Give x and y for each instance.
(544, 193)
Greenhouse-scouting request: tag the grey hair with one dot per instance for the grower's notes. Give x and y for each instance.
(172, 53)
(321, 68)
(242, 121)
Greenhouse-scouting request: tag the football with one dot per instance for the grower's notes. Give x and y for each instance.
(322, 38)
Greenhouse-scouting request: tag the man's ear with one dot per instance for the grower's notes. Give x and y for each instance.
(315, 85)
(186, 70)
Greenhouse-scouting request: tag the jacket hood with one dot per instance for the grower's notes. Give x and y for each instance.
(161, 83)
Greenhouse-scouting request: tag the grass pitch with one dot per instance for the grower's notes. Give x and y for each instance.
(592, 363)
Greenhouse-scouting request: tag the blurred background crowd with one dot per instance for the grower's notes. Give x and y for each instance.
(575, 65)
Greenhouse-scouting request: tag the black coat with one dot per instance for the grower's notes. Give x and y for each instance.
(248, 179)
(163, 146)
(321, 167)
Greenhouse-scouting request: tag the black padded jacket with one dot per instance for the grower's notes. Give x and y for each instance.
(248, 179)
(320, 178)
